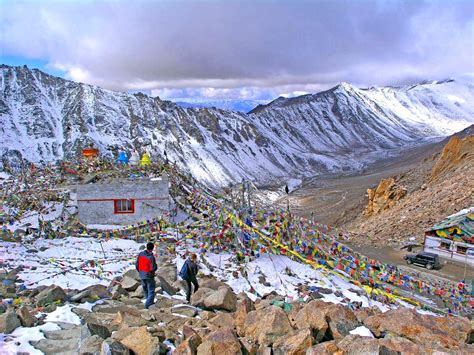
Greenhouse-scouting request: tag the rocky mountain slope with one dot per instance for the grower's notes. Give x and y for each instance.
(438, 187)
(45, 118)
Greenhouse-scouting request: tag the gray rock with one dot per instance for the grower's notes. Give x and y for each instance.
(91, 294)
(49, 295)
(64, 341)
(179, 285)
(224, 299)
(91, 345)
(138, 293)
(98, 329)
(133, 274)
(184, 310)
(113, 347)
(9, 321)
(163, 302)
(212, 283)
(165, 285)
(197, 299)
(168, 272)
(116, 291)
(67, 331)
(129, 283)
(26, 318)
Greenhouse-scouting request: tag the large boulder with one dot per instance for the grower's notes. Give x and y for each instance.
(164, 302)
(366, 312)
(294, 343)
(356, 344)
(223, 299)
(138, 293)
(189, 346)
(385, 196)
(248, 346)
(91, 294)
(26, 318)
(223, 320)
(64, 341)
(168, 272)
(267, 325)
(97, 329)
(244, 306)
(166, 286)
(212, 283)
(141, 342)
(50, 295)
(91, 345)
(184, 310)
(9, 321)
(327, 348)
(311, 317)
(133, 273)
(128, 317)
(429, 331)
(113, 347)
(130, 284)
(116, 291)
(223, 341)
(322, 317)
(197, 299)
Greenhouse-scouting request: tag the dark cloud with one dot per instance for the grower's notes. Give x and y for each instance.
(272, 45)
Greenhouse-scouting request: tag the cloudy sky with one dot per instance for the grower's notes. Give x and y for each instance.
(239, 49)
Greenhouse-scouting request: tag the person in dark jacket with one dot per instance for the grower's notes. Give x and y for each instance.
(191, 276)
(146, 267)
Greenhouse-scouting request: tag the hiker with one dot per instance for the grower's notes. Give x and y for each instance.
(188, 273)
(146, 267)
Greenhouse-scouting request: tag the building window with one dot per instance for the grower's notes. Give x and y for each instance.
(445, 246)
(124, 206)
(461, 250)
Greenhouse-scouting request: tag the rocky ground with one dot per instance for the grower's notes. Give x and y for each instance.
(112, 320)
(446, 188)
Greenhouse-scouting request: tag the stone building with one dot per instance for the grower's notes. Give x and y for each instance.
(123, 201)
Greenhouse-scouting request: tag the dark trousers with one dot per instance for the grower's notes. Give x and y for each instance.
(188, 288)
(149, 291)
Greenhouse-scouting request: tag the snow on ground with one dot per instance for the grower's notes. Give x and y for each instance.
(18, 342)
(21, 339)
(72, 263)
(31, 218)
(284, 276)
(362, 331)
(63, 314)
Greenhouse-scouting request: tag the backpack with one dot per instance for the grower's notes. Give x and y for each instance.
(184, 273)
(144, 263)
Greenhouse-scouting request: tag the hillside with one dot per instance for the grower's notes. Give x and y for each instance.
(45, 118)
(438, 187)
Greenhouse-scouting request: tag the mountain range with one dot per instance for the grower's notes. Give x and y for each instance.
(46, 118)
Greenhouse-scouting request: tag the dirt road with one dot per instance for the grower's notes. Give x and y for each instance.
(450, 270)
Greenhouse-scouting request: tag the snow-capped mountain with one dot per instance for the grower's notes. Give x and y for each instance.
(45, 118)
(227, 104)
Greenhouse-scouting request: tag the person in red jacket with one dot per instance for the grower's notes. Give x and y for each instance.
(146, 267)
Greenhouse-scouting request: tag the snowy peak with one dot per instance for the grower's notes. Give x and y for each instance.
(45, 118)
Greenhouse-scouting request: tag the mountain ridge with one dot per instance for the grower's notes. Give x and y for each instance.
(45, 118)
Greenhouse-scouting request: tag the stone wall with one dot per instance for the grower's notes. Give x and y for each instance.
(96, 201)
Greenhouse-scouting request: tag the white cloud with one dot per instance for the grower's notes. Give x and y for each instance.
(246, 48)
